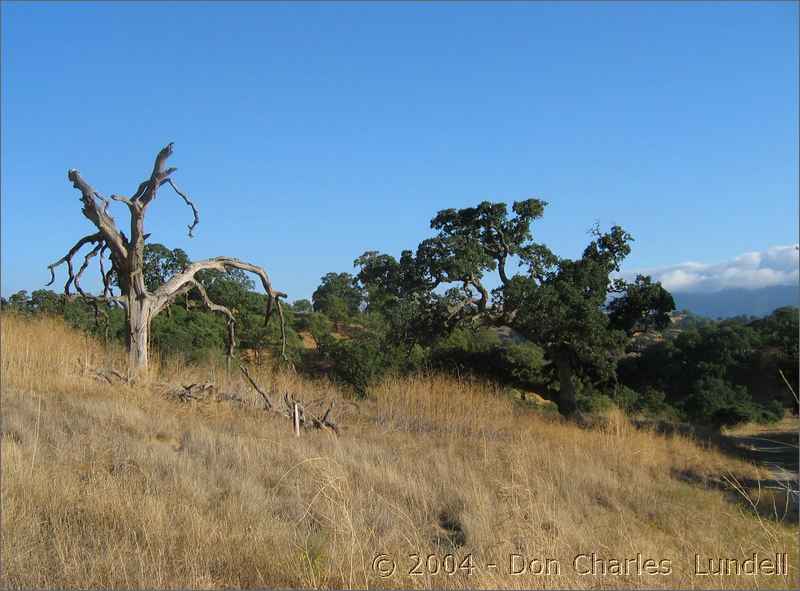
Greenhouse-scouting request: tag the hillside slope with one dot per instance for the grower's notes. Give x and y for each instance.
(117, 486)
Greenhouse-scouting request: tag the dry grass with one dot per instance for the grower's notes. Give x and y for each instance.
(788, 423)
(115, 486)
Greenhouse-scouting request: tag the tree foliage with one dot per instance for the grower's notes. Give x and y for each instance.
(722, 370)
(644, 306)
(338, 296)
(568, 324)
(558, 304)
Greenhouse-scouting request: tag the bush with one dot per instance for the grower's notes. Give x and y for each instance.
(594, 403)
(482, 353)
(590, 399)
(719, 403)
(321, 329)
(728, 416)
(359, 363)
(192, 335)
(523, 362)
(771, 412)
(626, 398)
(301, 314)
(652, 402)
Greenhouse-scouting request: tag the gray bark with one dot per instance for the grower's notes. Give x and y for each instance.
(139, 316)
(127, 261)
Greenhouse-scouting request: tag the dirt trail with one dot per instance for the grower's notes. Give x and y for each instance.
(776, 447)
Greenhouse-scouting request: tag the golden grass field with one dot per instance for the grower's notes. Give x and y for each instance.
(119, 487)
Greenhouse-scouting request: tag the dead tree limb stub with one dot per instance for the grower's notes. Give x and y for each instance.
(266, 397)
(294, 408)
(190, 203)
(126, 256)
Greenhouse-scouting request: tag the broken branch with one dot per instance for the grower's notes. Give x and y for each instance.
(190, 203)
(264, 395)
(295, 408)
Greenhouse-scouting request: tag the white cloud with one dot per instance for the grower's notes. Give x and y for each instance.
(778, 265)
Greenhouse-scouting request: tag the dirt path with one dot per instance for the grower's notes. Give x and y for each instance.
(775, 447)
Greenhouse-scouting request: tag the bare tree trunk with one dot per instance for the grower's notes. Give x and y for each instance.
(127, 260)
(567, 403)
(140, 313)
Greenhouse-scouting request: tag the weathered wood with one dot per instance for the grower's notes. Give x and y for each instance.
(294, 409)
(110, 375)
(140, 314)
(266, 397)
(198, 391)
(127, 262)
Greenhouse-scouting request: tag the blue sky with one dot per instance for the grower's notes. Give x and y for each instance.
(309, 133)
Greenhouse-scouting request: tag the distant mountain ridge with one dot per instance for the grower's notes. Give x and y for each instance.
(737, 301)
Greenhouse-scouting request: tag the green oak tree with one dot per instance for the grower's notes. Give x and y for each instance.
(559, 304)
(338, 296)
(644, 306)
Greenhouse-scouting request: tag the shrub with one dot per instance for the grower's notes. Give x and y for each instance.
(717, 402)
(653, 402)
(523, 362)
(626, 398)
(321, 329)
(771, 412)
(594, 403)
(482, 353)
(359, 363)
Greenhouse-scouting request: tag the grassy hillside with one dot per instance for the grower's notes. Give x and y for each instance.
(119, 486)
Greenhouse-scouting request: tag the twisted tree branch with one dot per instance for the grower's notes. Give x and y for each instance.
(67, 258)
(185, 281)
(91, 254)
(189, 202)
(98, 216)
(127, 261)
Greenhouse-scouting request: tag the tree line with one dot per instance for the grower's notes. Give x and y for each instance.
(568, 329)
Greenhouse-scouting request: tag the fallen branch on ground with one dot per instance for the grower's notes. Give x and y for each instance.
(107, 374)
(307, 420)
(192, 392)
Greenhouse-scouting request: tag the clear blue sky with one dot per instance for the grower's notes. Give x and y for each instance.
(309, 133)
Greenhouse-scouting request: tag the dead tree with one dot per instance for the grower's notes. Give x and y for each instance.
(126, 256)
